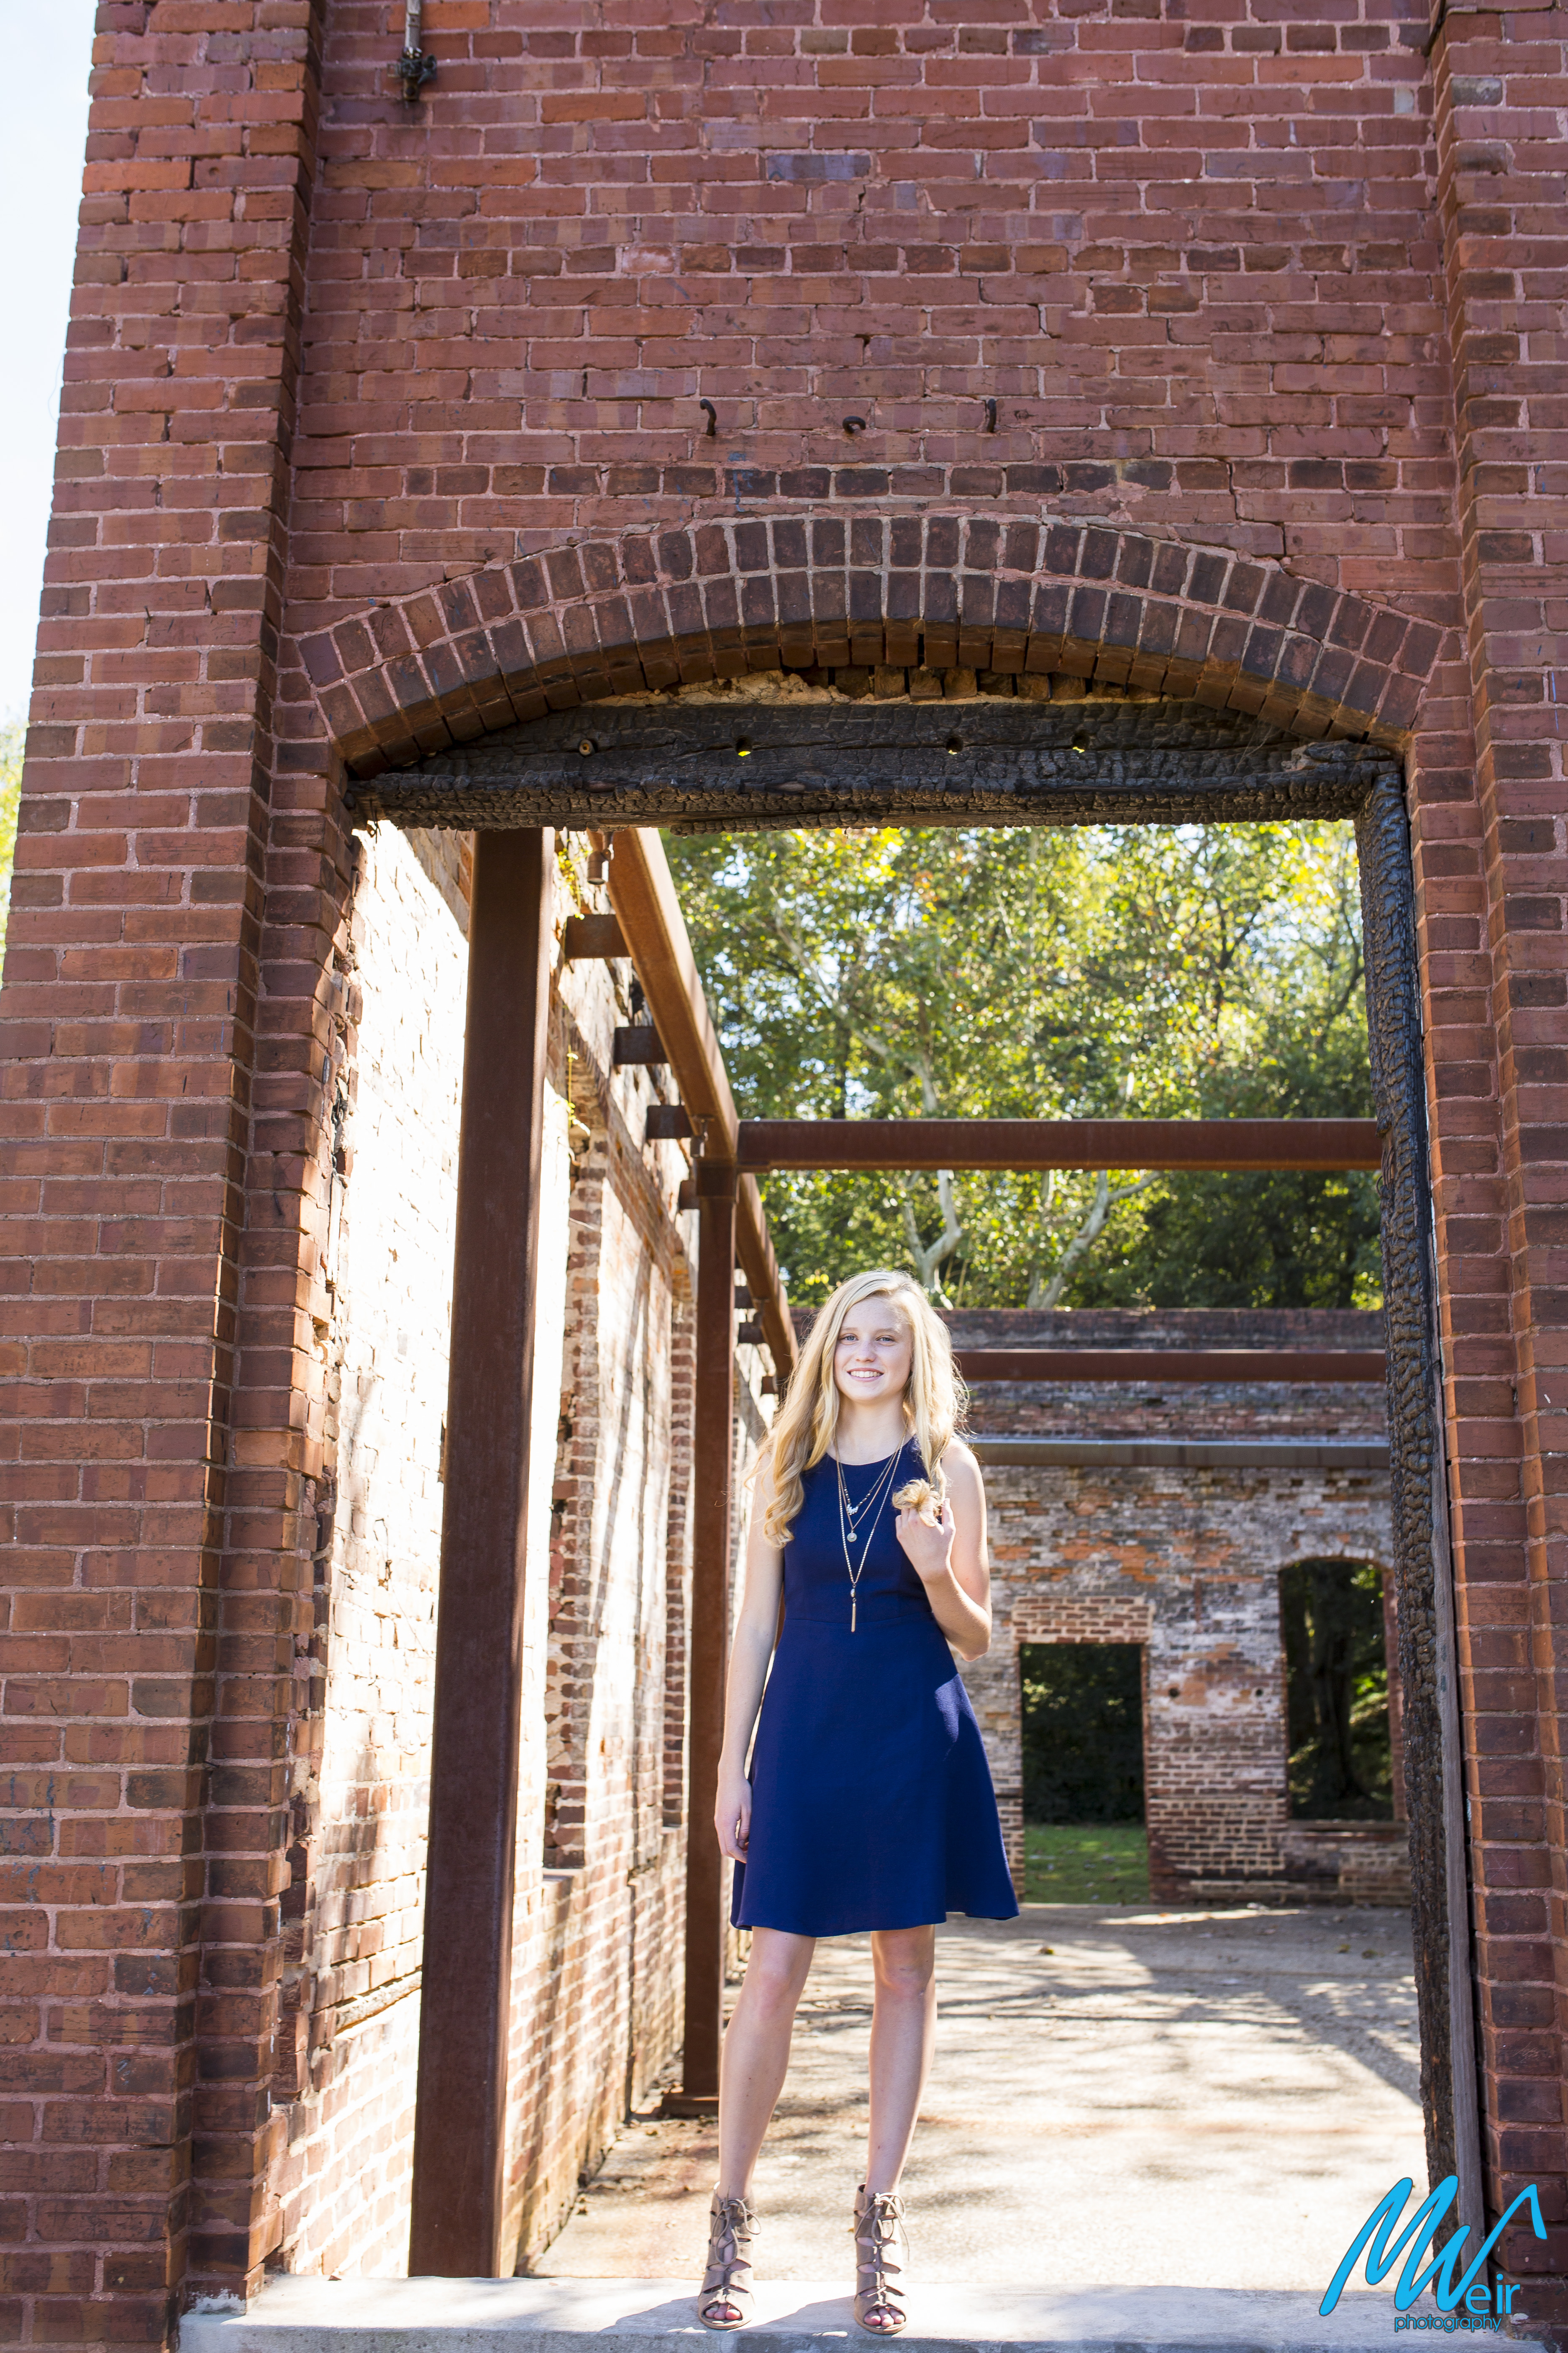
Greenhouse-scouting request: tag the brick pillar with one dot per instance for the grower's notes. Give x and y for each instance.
(1498, 88)
(128, 1032)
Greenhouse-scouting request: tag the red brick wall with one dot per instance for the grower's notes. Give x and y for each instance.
(130, 1035)
(1195, 262)
(1246, 282)
(1502, 142)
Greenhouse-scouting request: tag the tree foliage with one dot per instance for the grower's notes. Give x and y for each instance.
(1089, 972)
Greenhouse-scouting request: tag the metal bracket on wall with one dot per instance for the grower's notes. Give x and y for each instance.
(415, 66)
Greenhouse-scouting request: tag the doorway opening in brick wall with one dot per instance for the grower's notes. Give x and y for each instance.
(832, 746)
(1083, 1711)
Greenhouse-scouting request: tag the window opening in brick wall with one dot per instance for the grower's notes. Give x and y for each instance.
(1336, 1664)
(1082, 1714)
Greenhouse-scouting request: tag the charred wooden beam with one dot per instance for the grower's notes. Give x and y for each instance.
(1006, 759)
(1435, 1771)
(1211, 1144)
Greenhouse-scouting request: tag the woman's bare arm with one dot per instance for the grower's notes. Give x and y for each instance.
(948, 1556)
(755, 1630)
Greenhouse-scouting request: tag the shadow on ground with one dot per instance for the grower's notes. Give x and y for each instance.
(1203, 2099)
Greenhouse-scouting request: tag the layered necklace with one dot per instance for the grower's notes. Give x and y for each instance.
(857, 1523)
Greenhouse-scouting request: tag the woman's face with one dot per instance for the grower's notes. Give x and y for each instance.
(876, 1348)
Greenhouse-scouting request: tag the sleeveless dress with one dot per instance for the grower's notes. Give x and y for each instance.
(872, 1798)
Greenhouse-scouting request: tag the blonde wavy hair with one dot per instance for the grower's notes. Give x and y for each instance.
(808, 1418)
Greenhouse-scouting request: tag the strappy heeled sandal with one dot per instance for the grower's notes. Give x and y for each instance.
(879, 2304)
(724, 2300)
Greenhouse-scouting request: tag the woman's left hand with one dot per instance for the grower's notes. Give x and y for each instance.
(927, 1539)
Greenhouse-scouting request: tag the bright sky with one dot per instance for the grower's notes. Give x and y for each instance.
(47, 49)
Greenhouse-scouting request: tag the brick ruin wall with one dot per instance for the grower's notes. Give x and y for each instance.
(408, 396)
(1185, 1561)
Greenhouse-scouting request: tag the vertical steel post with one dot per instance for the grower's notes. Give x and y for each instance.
(712, 1460)
(459, 2138)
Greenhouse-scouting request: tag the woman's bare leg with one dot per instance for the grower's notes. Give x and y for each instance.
(756, 2052)
(903, 2032)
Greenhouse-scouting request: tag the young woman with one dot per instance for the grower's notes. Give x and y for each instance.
(869, 1804)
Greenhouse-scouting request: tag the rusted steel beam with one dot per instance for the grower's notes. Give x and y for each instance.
(642, 892)
(755, 1249)
(1161, 1365)
(712, 1460)
(1191, 1143)
(459, 2136)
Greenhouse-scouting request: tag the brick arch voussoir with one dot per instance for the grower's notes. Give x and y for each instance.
(652, 608)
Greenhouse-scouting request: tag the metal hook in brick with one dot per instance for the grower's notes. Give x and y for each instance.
(854, 425)
(711, 414)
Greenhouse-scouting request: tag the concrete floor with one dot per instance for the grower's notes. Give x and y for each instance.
(1195, 2099)
(543, 2316)
(1147, 2131)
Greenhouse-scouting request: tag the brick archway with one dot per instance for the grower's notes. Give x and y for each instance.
(643, 611)
(646, 610)
(653, 608)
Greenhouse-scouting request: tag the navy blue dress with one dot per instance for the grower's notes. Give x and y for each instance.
(872, 1798)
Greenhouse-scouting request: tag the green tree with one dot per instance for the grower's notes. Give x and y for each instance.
(1072, 972)
(13, 737)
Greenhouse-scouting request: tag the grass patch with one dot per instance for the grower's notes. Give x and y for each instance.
(1101, 1862)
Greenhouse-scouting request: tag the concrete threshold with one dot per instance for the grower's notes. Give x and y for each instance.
(553, 2315)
